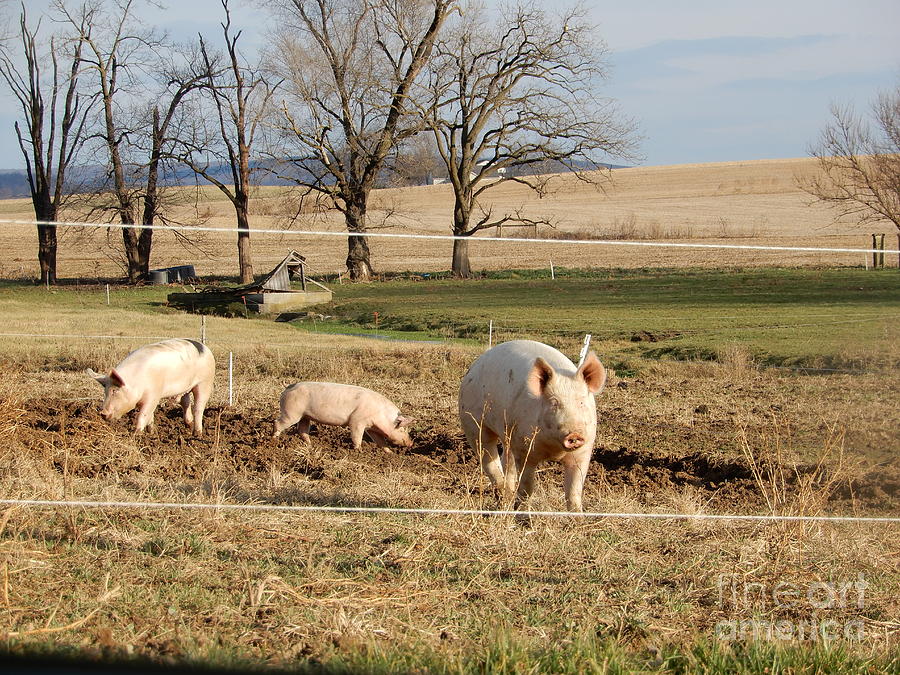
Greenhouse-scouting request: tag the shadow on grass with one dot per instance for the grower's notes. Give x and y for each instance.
(501, 653)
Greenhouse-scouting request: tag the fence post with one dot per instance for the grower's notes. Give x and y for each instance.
(877, 251)
(490, 333)
(230, 378)
(203, 329)
(584, 349)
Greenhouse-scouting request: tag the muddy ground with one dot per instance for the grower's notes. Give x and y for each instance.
(72, 438)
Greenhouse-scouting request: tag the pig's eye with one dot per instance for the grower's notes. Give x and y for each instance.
(554, 404)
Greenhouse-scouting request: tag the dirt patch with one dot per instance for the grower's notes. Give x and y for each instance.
(725, 483)
(83, 444)
(647, 336)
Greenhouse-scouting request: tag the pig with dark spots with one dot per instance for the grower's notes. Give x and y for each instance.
(540, 406)
(364, 411)
(171, 368)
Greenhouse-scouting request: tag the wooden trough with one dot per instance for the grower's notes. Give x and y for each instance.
(271, 294)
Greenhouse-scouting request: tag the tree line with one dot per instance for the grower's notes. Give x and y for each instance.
(346, 92)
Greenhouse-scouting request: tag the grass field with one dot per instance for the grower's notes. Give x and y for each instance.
(734, 388)
(789, 317)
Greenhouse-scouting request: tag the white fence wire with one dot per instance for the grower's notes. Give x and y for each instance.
(450, 237)
(384, 510)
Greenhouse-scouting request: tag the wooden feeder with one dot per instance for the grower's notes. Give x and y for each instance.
(271, 294)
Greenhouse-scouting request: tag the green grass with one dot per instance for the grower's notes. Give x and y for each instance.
(841, 319)
(825, 318)
(501, 655)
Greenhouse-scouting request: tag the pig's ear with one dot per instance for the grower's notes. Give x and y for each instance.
(115, 379)
(102, 379)
(539, 377)
(593, 373)
(403, 421)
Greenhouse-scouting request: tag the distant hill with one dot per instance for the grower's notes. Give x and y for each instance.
(14, 183)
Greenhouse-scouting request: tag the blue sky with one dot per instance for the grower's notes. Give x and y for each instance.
(716, 81)
(705, 80)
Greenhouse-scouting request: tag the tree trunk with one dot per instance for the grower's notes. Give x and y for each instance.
(461, 216)
(144, 242)
(137, 269)
(47, 253)
(359, 266)
(45, 212)
(245, 261)
(138, 243)
(461, 268)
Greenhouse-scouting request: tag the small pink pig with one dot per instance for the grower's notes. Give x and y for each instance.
(168, 368)
(343, 405)
(540, 406)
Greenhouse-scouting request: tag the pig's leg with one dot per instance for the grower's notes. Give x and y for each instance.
(185, 402)
(484, 441)
(303, 429)
(575, 471)
(510, 467)
(357, 431)
(202, 392)
(378, 438)
(526, 484)
(146, 409)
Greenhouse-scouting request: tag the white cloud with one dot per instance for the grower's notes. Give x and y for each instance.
(635, 25)
(801, 59)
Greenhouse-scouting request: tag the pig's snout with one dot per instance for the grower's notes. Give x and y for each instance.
(573, 441)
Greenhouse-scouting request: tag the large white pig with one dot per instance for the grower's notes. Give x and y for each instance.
(343, 405)
(532, 399)
(169, 368)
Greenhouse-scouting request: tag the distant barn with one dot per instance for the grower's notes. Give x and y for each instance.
(271, 294)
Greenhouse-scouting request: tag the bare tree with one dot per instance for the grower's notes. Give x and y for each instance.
(240, 95)
(119, 52)
(859, 162)
(349, 67)
(508, 97)
(54, 129)
(182, 72)
(416, 162)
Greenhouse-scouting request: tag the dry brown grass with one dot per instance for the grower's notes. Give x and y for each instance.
(754, 202)
(278, 586)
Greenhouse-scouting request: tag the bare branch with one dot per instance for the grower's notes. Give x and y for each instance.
(512, 99)
(347, 96)
(51, 134)
(859, 162)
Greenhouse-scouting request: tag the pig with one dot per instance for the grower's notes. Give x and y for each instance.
(532, 399)
(343, 405)
(169, 368)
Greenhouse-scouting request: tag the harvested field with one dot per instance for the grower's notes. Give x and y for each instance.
(729, 203)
